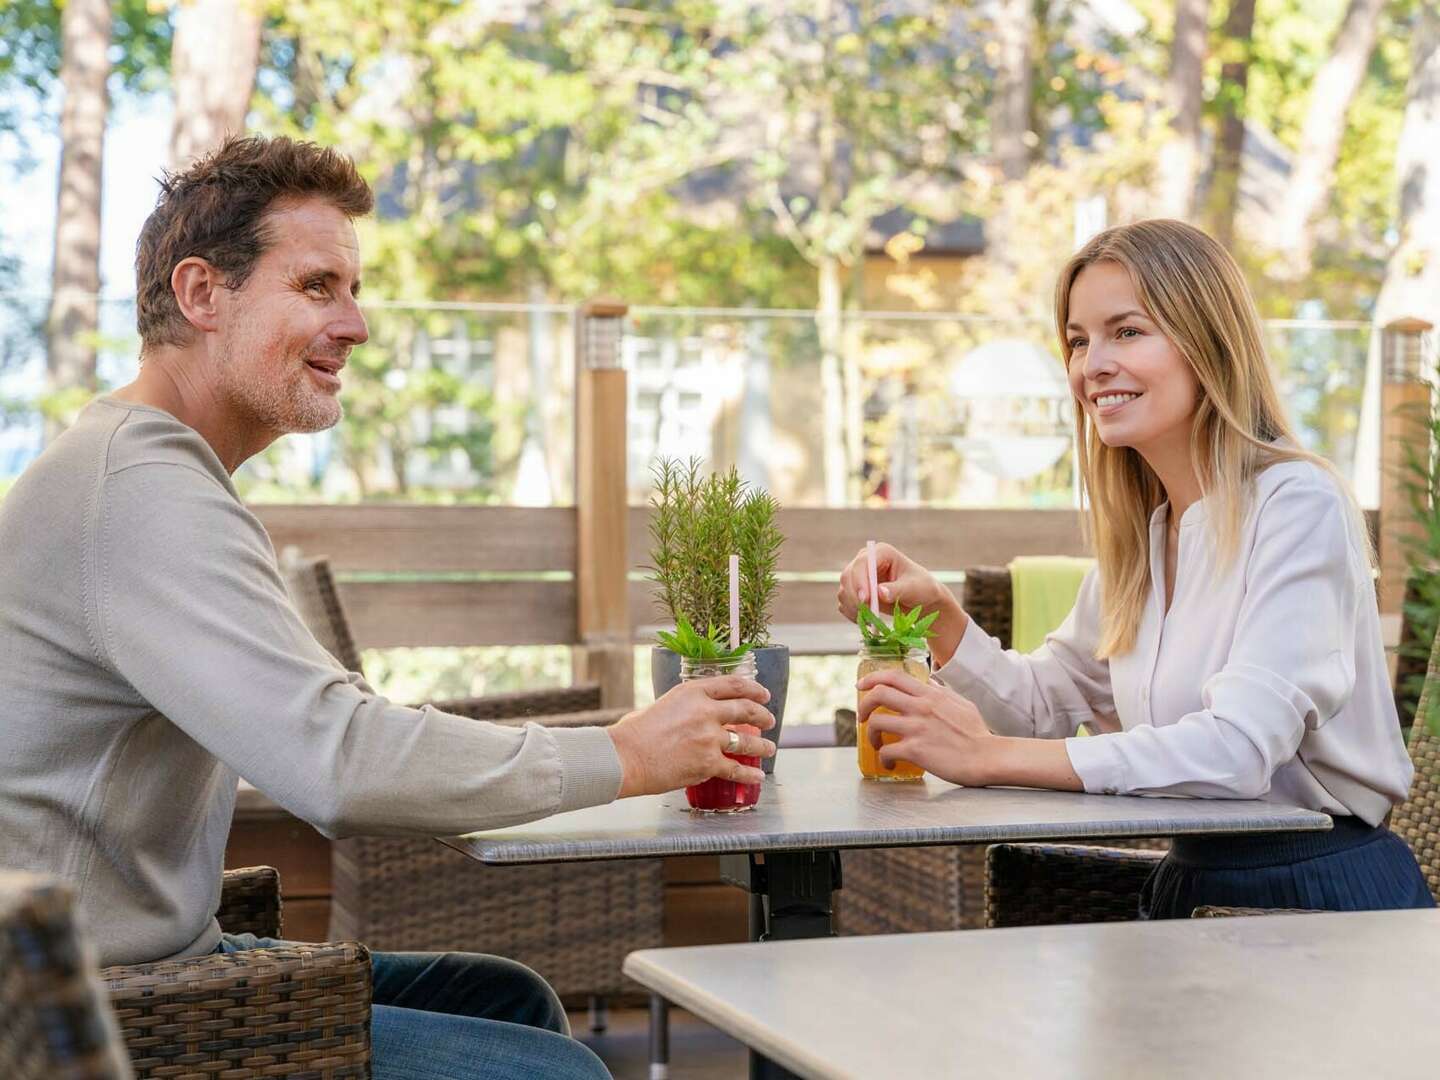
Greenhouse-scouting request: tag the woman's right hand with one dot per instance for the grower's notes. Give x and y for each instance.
(904, 582)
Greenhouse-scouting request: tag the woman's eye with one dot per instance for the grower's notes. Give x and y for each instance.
(1077, 343)
(1126, 331)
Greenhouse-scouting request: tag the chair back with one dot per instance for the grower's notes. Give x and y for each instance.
(1417, 819)
(988, 598)
(55, 1022)
(312, 590)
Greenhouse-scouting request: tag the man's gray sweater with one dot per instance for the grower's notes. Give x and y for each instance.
(149, 654)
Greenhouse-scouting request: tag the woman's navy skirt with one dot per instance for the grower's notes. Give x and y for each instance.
(1352, 867)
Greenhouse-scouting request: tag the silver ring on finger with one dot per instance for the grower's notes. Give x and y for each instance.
(732, 744)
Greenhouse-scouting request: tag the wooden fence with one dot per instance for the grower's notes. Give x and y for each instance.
(416, 575)
(502, 575)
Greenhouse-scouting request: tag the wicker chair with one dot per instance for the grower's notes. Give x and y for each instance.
(920, 889)
(573, 923)
(301, 1010)
(295, 1010)
(55, 1023)
(1035, 884)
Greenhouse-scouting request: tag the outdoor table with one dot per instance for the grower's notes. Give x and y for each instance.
(786, 851)
(1284, 996)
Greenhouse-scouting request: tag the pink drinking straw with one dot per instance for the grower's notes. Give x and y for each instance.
(734, 601)
(735, 633)
(874, 578)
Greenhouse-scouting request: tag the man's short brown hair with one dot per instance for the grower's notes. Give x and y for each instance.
(216, 210)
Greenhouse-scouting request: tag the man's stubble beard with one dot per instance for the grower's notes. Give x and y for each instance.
(280, 394)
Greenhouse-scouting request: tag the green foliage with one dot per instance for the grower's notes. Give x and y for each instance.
(512, 152)
(712, 645)
(418, 675)
(907, 630)
(30, 48)
(697, 524)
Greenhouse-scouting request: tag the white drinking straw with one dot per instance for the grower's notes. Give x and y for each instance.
(874, 579)
(734, 601)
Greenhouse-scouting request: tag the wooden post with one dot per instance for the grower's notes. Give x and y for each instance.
(1405, 408)
(605, 653)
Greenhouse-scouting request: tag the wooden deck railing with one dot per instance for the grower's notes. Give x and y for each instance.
(416, 575)
(502, 575)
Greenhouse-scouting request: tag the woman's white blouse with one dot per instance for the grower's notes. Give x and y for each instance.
(1267, 678)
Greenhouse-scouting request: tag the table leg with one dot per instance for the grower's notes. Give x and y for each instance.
(790, 898)
(659, 1037)
(790, 891)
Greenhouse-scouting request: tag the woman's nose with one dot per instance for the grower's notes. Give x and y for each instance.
(1098, 361)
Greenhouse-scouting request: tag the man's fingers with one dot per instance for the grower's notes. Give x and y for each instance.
(753, 746)
(730, 687)
(740, 711)
(744, 774)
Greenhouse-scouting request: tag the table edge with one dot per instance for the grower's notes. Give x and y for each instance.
(521, 852)
(637, 965)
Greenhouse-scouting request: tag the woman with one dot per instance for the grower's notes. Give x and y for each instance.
(1227, 643)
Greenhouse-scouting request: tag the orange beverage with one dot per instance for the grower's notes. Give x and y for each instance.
(915, 663)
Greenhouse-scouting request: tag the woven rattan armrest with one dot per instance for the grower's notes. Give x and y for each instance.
(287, 1011)
(250, 901)
(1043, 884)
(588, 718)
(525, 704)
(1216, 911)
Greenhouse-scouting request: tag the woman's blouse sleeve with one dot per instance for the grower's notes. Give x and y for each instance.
(1048, 693)
(1290, 668)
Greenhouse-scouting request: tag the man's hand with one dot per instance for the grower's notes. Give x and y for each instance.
(681, 739)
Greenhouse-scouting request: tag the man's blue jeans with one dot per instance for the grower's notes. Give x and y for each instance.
(452, 1016)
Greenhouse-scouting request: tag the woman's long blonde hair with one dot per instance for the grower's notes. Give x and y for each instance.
(1195, 293)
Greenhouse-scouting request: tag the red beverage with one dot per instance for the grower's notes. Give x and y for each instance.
(720, 796)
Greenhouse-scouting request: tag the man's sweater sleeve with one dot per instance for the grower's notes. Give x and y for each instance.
(187, 605)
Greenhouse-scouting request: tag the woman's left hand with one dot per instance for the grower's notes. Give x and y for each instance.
(939, 730)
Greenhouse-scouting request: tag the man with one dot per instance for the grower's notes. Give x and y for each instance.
(149, 653)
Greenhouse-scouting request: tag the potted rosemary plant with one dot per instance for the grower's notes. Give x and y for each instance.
(697, 523)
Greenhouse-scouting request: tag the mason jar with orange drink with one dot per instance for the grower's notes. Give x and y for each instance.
(914, 662)
(900, 645)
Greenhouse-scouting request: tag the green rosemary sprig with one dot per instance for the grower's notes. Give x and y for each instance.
(697, 523)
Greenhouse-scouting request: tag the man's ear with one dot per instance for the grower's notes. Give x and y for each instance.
(197, 286)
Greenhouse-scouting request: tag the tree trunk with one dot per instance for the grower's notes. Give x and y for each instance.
(75, 281)
(1412, 275)
(1224, 195)
(1179, 164)
(212, 61)
(829, 286)
(832, 389)
(1010, 113)
(1313, 172)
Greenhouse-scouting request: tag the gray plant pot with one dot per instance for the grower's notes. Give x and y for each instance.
(772, 670)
